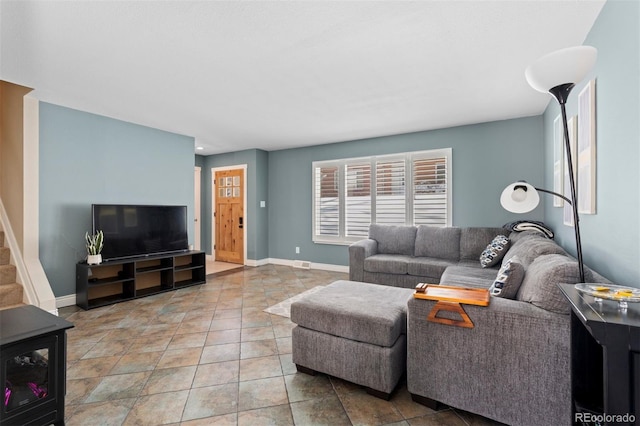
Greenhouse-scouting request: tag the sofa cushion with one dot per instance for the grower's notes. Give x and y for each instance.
(394, 239)
(539, 286)
(529, 247)
(428, 266)
(369, 313)
(514, 237)
(474, 240)
(475, 264)
(441, 243)
(387, 263)
(468, 276)
(508, 280)
(495, 251)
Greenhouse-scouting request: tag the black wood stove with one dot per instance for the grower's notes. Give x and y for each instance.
(33, 346)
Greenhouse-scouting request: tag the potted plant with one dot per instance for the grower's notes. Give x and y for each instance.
(94, 247)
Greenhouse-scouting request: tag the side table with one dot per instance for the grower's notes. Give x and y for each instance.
(32, 366)
(605, 360)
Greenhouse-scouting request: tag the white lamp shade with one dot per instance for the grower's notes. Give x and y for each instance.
(521, 200)
(563, 66)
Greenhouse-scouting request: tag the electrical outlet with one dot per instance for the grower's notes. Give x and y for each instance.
(297, 250)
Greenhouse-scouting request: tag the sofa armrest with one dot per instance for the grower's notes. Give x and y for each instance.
(514, 361)
(358, 252)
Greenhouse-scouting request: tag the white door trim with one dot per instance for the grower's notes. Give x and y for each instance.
(244, 207)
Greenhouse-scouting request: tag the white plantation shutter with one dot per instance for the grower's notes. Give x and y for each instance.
(326, 201)
(357, 199)
(401, 189)
(390, 203)
(430, 187)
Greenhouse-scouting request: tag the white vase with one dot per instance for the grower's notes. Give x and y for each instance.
(94, 259)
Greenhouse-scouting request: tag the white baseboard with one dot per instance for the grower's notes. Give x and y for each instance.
(314, 265)
(330, 267)
(70, 299)
(248, 262)
(255, 263)
(283, 262)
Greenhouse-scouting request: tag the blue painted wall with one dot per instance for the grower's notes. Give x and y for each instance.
(611, 237)
(200, 162)
(85, 159)
(486, 158)
(262, 194)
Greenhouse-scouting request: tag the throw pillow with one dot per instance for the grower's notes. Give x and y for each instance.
(508, 280)
(495, 251)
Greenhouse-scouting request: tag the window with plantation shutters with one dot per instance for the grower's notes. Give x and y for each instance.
(402, 189)
(357, 199)
(390, 205)
(430, 200)
(326, 206)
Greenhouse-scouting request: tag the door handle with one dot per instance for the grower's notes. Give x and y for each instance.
(240, 223)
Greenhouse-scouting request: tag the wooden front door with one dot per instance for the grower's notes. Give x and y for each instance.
(229, 220)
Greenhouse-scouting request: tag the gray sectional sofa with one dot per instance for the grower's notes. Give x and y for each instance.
(514, 365)
(403, 256)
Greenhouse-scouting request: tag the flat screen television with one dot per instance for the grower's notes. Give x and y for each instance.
(140, 230)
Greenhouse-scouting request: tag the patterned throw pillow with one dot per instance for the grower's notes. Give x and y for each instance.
(495, 251)
(508, 280)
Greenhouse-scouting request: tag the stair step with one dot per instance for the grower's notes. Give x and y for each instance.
(10, 294)
(17, 305)
(7, 274)
(5, 255)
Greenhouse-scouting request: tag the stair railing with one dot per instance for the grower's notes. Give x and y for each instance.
(36, 291)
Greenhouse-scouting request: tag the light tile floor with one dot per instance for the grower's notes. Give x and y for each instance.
(209, 355)
(214, 266)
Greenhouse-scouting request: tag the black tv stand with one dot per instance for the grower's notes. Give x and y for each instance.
(126, 279)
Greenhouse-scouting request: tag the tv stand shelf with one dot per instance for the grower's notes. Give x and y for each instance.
(110, 280)
(126, 279)
(153, 269)
(186, 267)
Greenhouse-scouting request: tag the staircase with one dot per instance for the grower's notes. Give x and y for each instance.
(10, 291)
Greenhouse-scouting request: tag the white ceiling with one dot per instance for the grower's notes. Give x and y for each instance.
(238, 75)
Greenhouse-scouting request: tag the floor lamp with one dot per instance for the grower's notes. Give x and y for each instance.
(556, 73)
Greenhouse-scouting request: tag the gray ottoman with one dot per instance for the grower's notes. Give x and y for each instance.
(355, 331)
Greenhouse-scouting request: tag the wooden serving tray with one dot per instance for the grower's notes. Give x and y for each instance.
(449, 299)
(447, 293)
